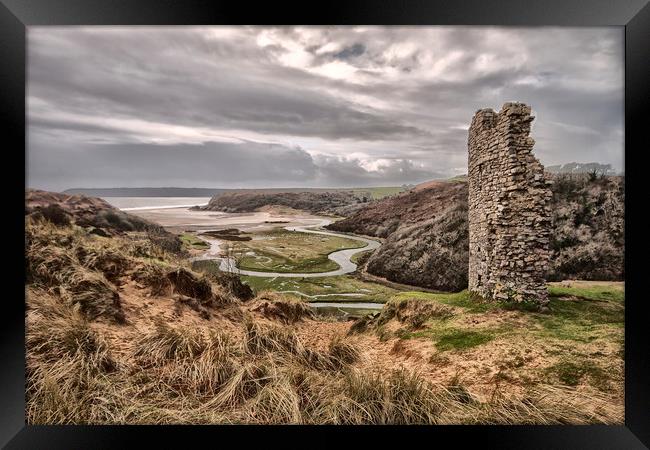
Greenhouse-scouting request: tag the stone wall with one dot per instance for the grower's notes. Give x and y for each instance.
(509, 208)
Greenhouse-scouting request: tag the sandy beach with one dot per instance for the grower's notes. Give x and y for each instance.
(183, 219)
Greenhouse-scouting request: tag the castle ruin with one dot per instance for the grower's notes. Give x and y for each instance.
(509, 211)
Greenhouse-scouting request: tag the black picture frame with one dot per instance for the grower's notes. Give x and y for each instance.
(16, 15)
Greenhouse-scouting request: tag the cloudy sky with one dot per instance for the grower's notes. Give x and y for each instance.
(307, 106)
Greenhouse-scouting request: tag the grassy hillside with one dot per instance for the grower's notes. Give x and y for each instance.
(580, 344)
(376, 193)
(120, 330)
(427, 242)
(426, 236)
(95, 216)
(383, 217)
(315, 202)
(588, 239)
(330, 201)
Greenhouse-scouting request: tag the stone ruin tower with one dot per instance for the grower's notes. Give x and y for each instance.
(509, 211)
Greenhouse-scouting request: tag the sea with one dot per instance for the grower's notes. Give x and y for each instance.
(143, 203)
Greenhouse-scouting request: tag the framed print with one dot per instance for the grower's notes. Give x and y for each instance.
(413, 216)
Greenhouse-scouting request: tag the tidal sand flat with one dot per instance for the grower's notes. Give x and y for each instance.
(141, 203)
(184, 219)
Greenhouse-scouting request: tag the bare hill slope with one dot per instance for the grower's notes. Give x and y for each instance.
(95, 214)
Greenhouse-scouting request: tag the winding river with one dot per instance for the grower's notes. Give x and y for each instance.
(340, 257)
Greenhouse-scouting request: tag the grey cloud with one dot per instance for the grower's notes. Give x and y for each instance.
(336, 171)
(211, 164)
(143, 80)
(228, 83)
(351, 51)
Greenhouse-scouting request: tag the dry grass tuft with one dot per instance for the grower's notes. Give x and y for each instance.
(111, 263)
(204, 374)
(163, 280)
(67, 363)
(342, 354)
(363, 323)
(49, 264)
(413, 312)
(93, 293)
(180, 375)
(166, 343)
(277, 402)
(153, 276)
(187, 283)
(57, 267)
(401, 398)
(273, 306)
(543, 405)
(57, 331)
(261, 339)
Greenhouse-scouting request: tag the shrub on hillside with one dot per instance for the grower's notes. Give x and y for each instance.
(432, 254)
(165, 241)
(427, 241)
(588, 228)
(78, 286)
(54, 214)
(231, 282)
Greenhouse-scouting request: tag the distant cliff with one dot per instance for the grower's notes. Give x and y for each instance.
(574, 168)
(314, 202)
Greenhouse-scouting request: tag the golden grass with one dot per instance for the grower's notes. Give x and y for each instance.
(263, 373)
(274, 306)
(181, 375)
(58, 269)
